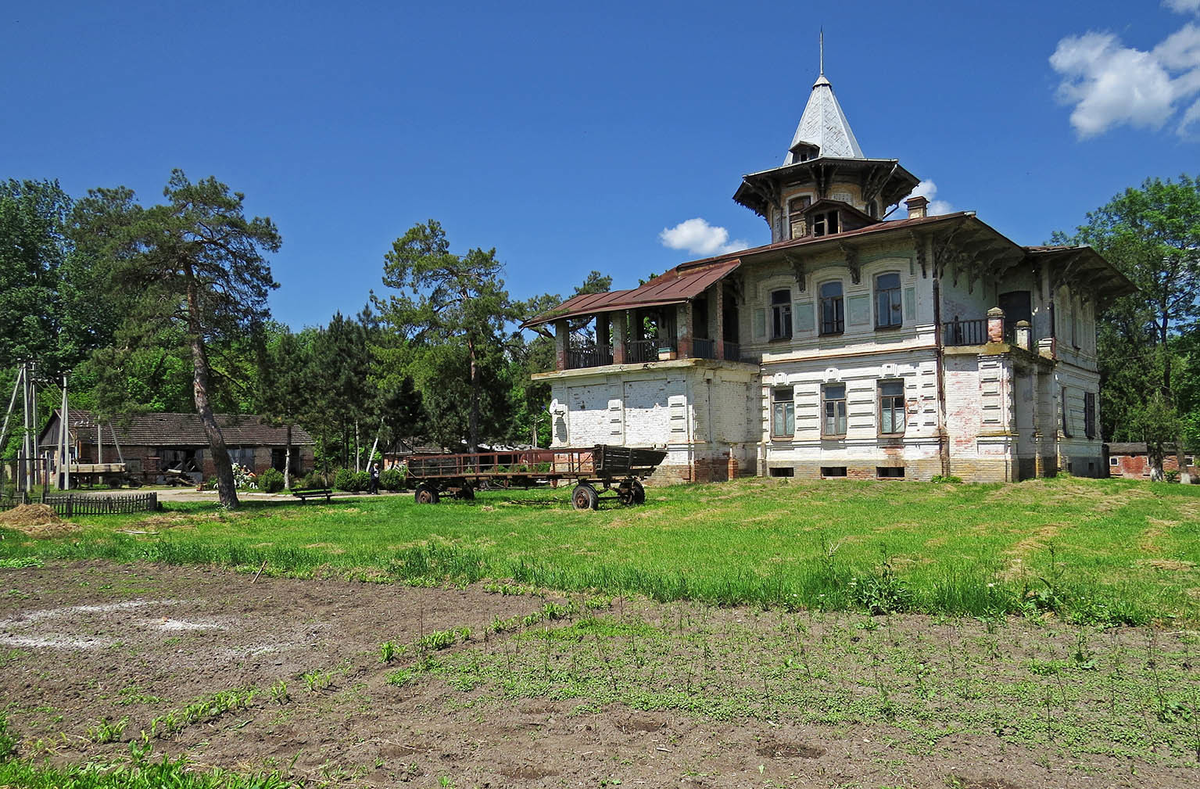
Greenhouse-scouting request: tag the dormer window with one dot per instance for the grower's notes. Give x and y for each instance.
(825, 223)
(803, 151)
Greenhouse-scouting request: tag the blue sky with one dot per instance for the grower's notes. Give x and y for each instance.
(568, 136)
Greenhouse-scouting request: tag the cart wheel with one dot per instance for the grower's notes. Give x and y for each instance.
(465, 493)
(584, 497)
(639, 493)
(426, 494)
(625, 496)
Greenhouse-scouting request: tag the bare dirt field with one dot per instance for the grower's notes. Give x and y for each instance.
(594, 692)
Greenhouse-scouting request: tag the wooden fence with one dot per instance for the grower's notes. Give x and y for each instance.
(68, 504)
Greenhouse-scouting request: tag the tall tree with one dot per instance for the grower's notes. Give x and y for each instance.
(52, 309)
(448, 298)
(1153, 235)
(195, 263)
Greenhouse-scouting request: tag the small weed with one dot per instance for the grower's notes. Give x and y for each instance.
(446, 782)
(107, 731)
(20, 562)
(203, 709)
(317, 680)
(279, 693)
(8, 741)
(442, 639)
(389, 651)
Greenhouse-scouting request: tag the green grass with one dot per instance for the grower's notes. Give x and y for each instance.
(1092, 550)
(136, 775)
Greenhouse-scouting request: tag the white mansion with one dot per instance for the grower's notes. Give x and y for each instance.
(849, 346)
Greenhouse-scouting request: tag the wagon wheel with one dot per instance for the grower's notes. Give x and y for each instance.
(466, 493)
(639, 493)
(625, 495)
(584, 497)
(426, 494)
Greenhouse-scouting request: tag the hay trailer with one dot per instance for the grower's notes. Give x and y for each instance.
(594, 470)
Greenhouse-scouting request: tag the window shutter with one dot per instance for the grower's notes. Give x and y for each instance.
(760, 323)
(910, 304)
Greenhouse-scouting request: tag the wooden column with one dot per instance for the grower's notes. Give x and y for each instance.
(717, 307)
(685, 331)
(561, 341)
(620, 337)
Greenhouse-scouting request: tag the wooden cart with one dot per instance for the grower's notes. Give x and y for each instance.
(594, 470)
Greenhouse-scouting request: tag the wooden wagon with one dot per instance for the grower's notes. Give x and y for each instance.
(594, 470)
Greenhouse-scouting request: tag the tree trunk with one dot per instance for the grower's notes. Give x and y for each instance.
(226, 490)
(287, 460)
(473, 421)
(1185, 477)
(357, 450)
(1154, 454)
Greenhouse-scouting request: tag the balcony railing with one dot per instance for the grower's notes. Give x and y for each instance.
(965, 332)
(641, 351)
(597, 356)
(704, 349)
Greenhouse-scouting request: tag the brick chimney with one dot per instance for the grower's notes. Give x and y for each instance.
(918, 207)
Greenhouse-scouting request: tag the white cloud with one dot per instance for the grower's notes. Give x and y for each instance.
(1190, 118)
(698, 237)
(927, 189)
(1110, 84)
(1183, 6)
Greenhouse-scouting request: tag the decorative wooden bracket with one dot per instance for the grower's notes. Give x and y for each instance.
(852, 261)
(798, 269)
(919, 247)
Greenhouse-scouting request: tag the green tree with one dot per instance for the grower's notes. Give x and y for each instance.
(1152, 235)
(446, 298)
(53, 311)
(195, 264)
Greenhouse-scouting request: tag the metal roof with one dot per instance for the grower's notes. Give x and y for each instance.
(676, 286)
(1083, 264)
(178, 430)
(824, 125)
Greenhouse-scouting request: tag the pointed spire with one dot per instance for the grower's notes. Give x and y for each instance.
(823, 125)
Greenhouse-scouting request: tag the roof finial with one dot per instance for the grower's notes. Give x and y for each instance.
(822, 50)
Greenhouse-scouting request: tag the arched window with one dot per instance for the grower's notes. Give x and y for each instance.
(888, 312)
(833, 313)
(781, 314)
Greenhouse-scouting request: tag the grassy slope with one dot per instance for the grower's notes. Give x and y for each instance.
(1102, 549)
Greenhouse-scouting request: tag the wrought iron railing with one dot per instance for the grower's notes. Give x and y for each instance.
(596, 356)
(968, 332)
(733, 351)
(641, 351)
(704, 349)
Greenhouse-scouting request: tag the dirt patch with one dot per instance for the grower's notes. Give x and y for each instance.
(641, 693)
(788, 750)
(36, 520)
(962, 782)
(1168, 564)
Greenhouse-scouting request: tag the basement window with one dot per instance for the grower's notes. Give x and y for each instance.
(889, 472)
(783, 471)
(833, 471)
(1113, 462)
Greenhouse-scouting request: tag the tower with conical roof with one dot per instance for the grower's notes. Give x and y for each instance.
(825, 184)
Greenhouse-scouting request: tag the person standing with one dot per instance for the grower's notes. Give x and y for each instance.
(374, 478)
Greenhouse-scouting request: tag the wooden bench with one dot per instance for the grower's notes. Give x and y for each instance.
(305, 495)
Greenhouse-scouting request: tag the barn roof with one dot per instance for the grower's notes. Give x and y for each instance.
(179, 430)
